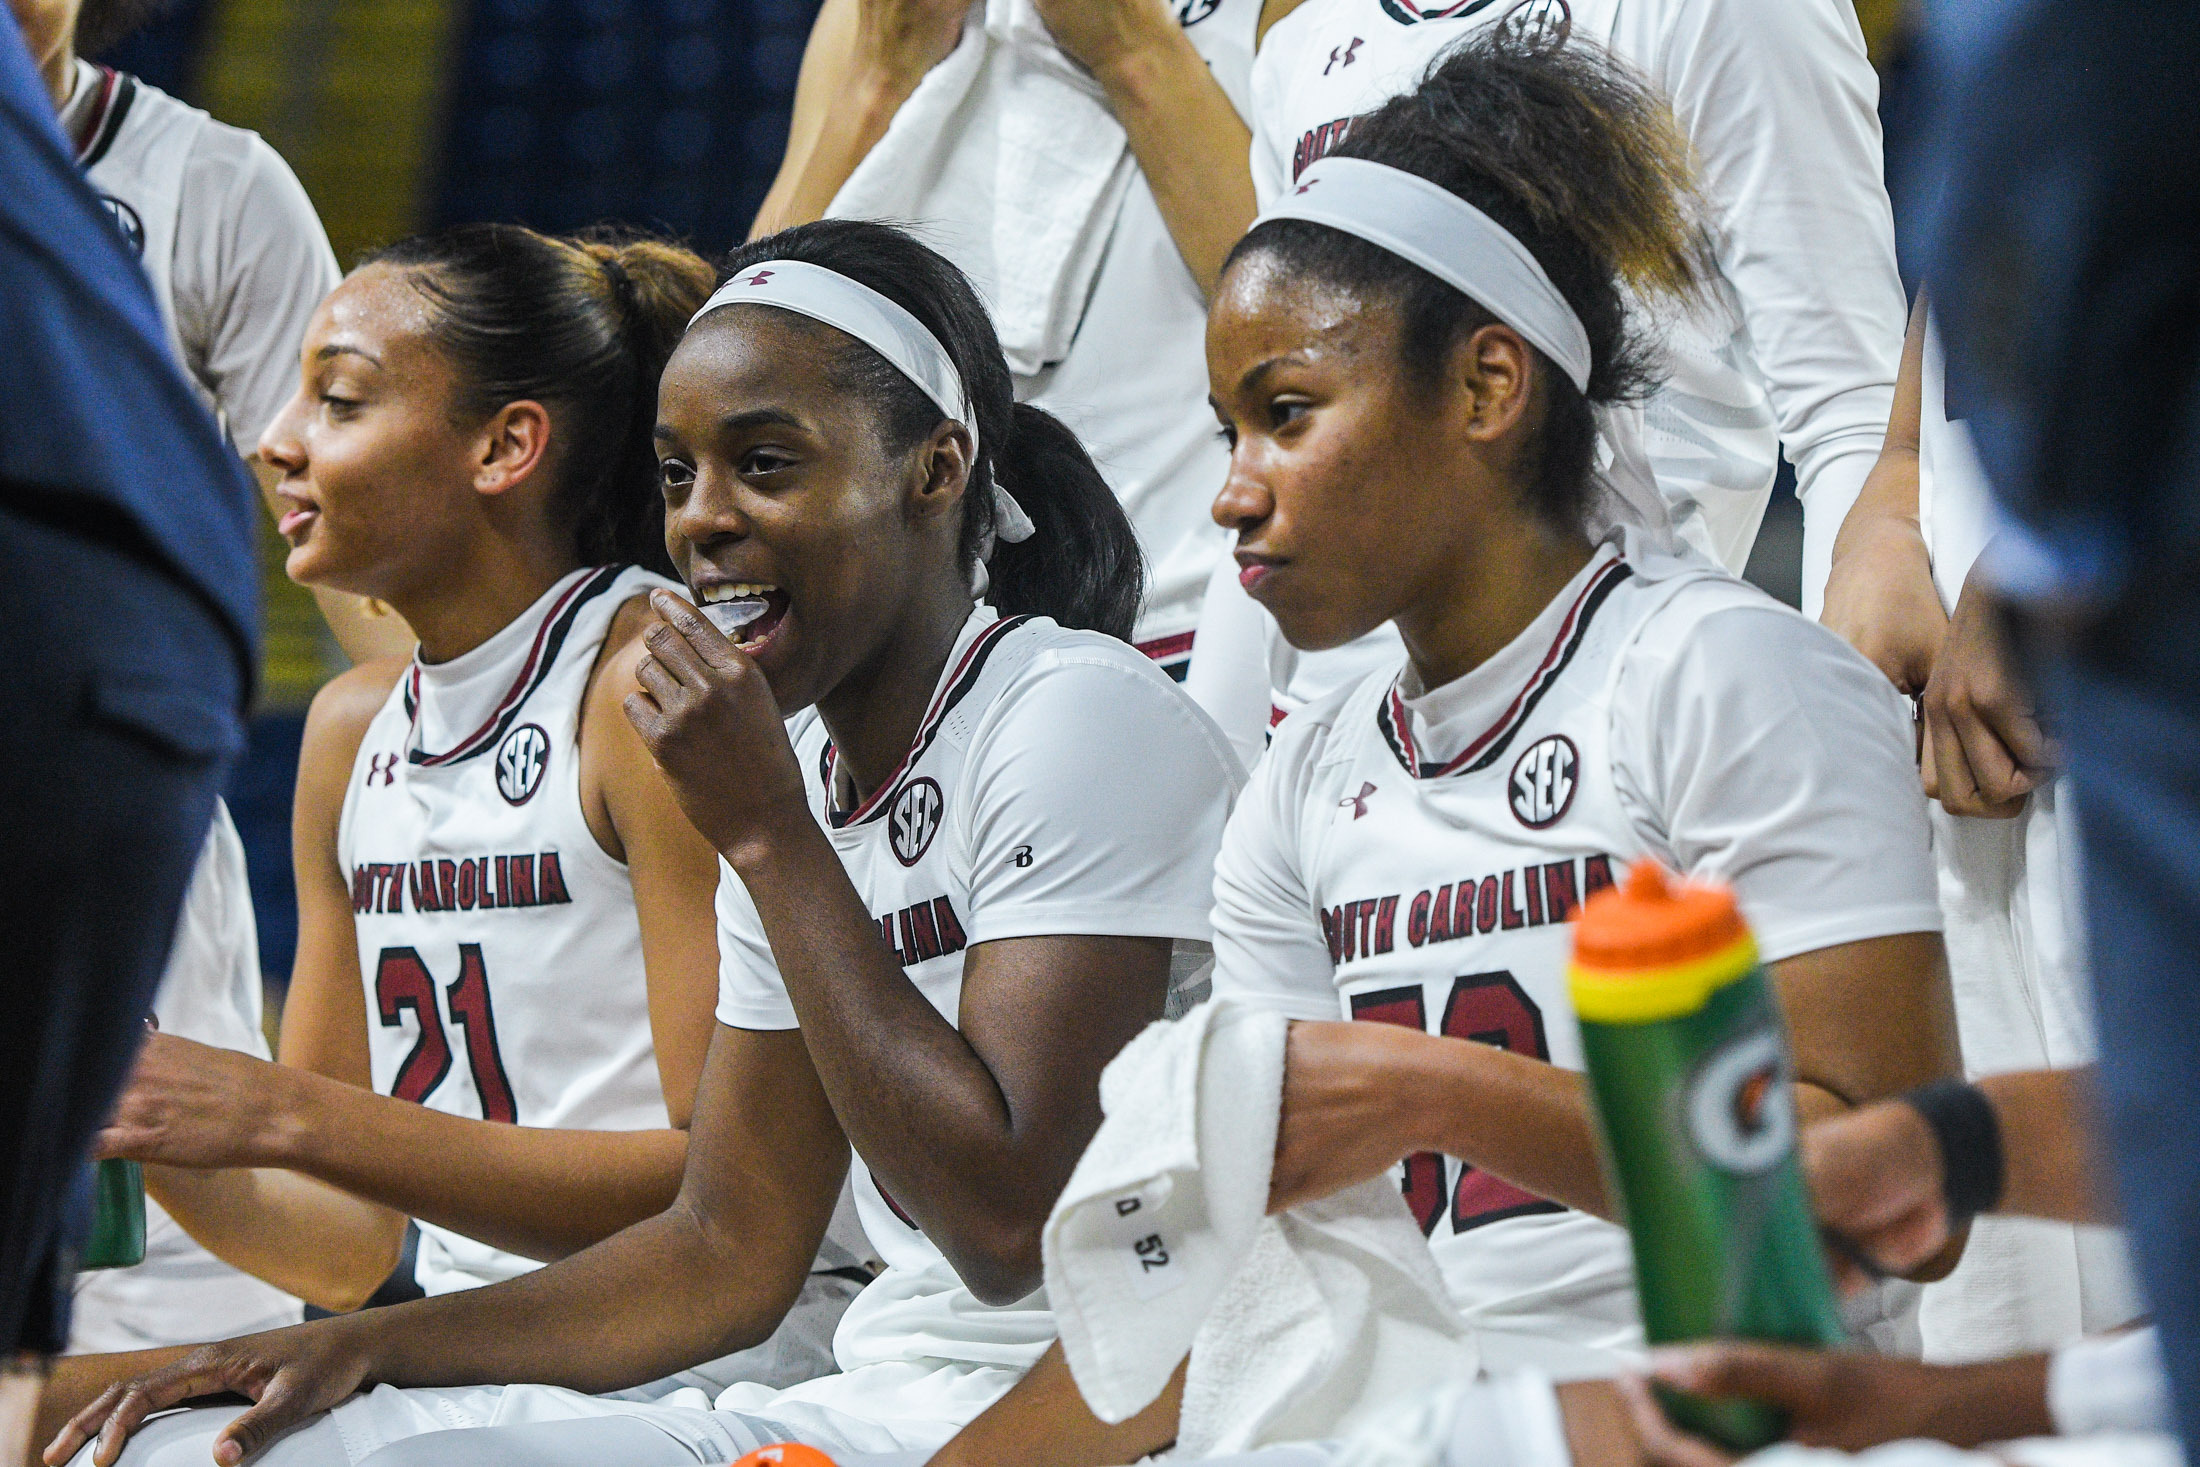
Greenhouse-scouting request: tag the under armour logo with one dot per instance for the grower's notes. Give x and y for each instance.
(757, 277)
(1305, 187)
(1358, 802)
(1343, 55)
(382, 765)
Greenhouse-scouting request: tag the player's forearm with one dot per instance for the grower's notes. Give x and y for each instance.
(659, 1297)
(1518, 1118)
(532, 1190)
(857, 120)
(329, 1248)
(1190, 144)
(2048, 1119)
(908, 1088)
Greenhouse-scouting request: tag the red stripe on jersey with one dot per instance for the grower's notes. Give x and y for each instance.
(87, 136)
(952, 687)
(1397, 724)
(521, 686)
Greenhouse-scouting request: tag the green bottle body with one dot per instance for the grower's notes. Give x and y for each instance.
(1697, 1114)
(117, 1238)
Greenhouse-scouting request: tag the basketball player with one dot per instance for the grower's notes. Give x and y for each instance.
(237, 261)
(506, 955)
(953, 879)
(1793, 346)
(1413, 443)
(1132, 384)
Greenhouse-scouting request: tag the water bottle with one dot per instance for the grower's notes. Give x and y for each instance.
(117, 1238)
(1693, 1088)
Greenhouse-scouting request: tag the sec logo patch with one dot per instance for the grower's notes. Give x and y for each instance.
(1543, 781)
(521, 760)
(915, 820)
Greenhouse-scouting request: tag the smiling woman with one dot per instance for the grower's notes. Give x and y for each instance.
(961, 842)
(501, 1002)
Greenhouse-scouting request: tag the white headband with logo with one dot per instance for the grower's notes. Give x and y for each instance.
(1451, 239)
(880, 324)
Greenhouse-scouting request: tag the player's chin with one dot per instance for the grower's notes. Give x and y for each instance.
(1314, 623)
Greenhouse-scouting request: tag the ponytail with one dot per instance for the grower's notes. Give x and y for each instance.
(1082, 565)
(583, 326)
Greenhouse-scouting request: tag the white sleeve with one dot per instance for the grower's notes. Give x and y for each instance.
(1269, 948)
(751, 994)
(1757, 748)
(1096, 797)
(1781, 105)
(251, 267)
(1271, 148)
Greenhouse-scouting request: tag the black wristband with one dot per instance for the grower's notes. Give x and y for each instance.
(1969, 1133)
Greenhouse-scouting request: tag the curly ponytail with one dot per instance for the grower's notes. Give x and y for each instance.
(1082, 565)
(583, 326)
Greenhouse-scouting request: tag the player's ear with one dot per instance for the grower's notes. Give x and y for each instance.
(1492, 370)
(511, 446)
(942, 471)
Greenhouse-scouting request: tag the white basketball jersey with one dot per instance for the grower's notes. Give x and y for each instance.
(1059, 784)
(498, 943)
(1416, 860)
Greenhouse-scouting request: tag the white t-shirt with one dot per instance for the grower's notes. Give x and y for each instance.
(237, 256)
(1414, 857)
(1059, 784)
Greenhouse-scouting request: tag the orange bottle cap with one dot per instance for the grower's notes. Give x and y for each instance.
(785, 1454)
(1655, 948)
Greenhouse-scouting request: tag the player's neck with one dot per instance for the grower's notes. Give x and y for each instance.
(873, 713)
(58, 72)
(461, 609)
(1496, 589)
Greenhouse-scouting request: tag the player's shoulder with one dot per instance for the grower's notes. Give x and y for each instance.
(1327, 732)
(631, 617)
(347, 705)
(1284, 39)
(1073, 686)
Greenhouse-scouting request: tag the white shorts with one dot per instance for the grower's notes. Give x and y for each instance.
(885, 1409)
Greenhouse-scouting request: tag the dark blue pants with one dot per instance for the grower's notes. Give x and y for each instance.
(119, 694)
(2127, 702)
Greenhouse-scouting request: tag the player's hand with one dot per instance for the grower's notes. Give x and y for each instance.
(1983, 751)
(289, 1375)
(1843, 1399)
(1346, 1109)
(708, 717)
(1103, 34)
(1876, 1180)
(901, 40)
(196, 1105)
(1881, 599)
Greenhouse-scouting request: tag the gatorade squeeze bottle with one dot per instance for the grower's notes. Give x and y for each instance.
(1694, 1088)
(785, 1454)
(117, 1239)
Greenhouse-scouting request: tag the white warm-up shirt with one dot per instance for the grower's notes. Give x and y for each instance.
(1414, 856)
(1059, 784)
(1798, 346)
(237, 256)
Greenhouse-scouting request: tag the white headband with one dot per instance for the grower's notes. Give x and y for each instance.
(880, 324)
(1451, 239)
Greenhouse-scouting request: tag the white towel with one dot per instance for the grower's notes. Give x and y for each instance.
(1298, 1327)
(1009, 161)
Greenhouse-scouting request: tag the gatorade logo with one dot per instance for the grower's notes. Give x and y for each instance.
(1542, 783)
(1740, 1104)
